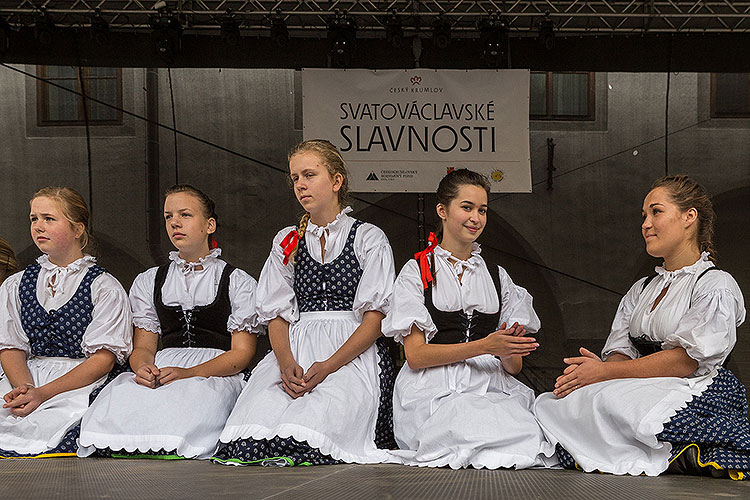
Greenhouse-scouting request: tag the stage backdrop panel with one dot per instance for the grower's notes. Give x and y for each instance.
(402, 130)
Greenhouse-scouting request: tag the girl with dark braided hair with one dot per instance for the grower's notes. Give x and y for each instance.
(323, 395)
(659, 398)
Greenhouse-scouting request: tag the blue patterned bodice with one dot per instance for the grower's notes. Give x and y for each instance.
(56, 333)
(330, 286)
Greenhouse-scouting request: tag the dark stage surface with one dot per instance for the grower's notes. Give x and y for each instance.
(94, 478)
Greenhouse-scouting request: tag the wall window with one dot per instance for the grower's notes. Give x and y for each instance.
(730, 95)
(561, 96)
(57, 106)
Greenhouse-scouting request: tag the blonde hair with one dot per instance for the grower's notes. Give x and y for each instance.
(331, 158)
(73, 208)
(686, 194)
(8, 261)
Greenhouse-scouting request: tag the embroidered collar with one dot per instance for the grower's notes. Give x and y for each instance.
(318, 231)
(188, 267)
(691, 269)
(56, 276)
(459, 265)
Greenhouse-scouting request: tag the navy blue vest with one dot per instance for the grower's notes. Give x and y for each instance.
(57, 333)
(330, 286)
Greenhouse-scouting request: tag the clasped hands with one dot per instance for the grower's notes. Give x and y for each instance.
(150, 376)
(296, 382)
(581, 371)
(508, 342)
(24, 399)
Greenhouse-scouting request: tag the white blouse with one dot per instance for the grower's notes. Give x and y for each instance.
(707, 330)
(110, 326)
(475, 292)
(188, 287)
(276, 296)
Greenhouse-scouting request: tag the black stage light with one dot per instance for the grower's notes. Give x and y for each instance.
(394, 31)
(547, 32)
(279, 31)
(493, 35)
(342, 36)
(441, 32)
(44, 28)
(167, 34)
(230, 29)
(5, 30)
(99, 28)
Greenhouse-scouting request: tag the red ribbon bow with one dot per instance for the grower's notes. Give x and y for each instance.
(289, 244)
(421, 257)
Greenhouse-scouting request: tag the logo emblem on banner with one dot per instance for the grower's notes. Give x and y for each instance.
(416, 80)
(372, 177)
(497, 175)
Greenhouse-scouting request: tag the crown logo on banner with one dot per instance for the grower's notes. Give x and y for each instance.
(416, 80)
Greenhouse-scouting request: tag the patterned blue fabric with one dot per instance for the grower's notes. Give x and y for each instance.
(717, 422)
(384, 438)
(67, 445)
(330, 286)
(57, 333)
(256, 451)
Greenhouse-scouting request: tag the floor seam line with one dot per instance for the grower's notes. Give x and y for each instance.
(308, 482)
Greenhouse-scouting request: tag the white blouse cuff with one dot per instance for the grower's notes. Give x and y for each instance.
(147, 324)
(630, 352)
(120, 352)
(246, 325)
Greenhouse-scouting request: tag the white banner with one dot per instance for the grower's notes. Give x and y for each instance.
(402, 130)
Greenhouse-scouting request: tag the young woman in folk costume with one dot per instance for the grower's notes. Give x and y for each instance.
(202, 309)
(661, 398)
(463, 323)
(323, 395)
(64, 323)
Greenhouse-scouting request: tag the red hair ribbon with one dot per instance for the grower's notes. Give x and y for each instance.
(212, 243)
(421, 257)
(289, 244)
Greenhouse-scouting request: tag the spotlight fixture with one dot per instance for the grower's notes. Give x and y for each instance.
(342, 36)
(394, 32)
(4, 36)
(167, 34)
(441, 32)
(230, 28)
(279, 31)
(44, 28)
(493, 35)
(99, 28)
(547, 32)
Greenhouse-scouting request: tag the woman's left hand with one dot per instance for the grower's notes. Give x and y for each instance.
(27, 400)
(314, 375)
(169, 374)
(581, 371)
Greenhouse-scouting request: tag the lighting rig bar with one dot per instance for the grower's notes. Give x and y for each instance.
(311, 18)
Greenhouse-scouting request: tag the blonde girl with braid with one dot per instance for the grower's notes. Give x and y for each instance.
(324, 394)
(8, 264)
(659, 398)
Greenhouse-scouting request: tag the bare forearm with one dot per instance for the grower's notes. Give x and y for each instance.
(617, 357)
(670, 363)
(88, 372)
(363, 337)
(420, 355)
(231, 362)
(141, 356)
(512, 364)
(15, 367)
(278, 334)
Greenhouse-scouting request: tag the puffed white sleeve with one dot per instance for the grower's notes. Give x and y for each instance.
(275, 297)
(142, 301)
(407, 306)
(12, 335)
(618, 341)
(111, 326)
(375, 255)
(708, 330)
(518, 304)
(242, 291)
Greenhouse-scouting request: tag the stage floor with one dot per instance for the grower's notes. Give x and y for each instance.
(99, 478)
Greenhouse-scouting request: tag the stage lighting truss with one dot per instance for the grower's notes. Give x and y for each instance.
(308, 18)
(167, 32)
(493, 34)
(342, 37)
